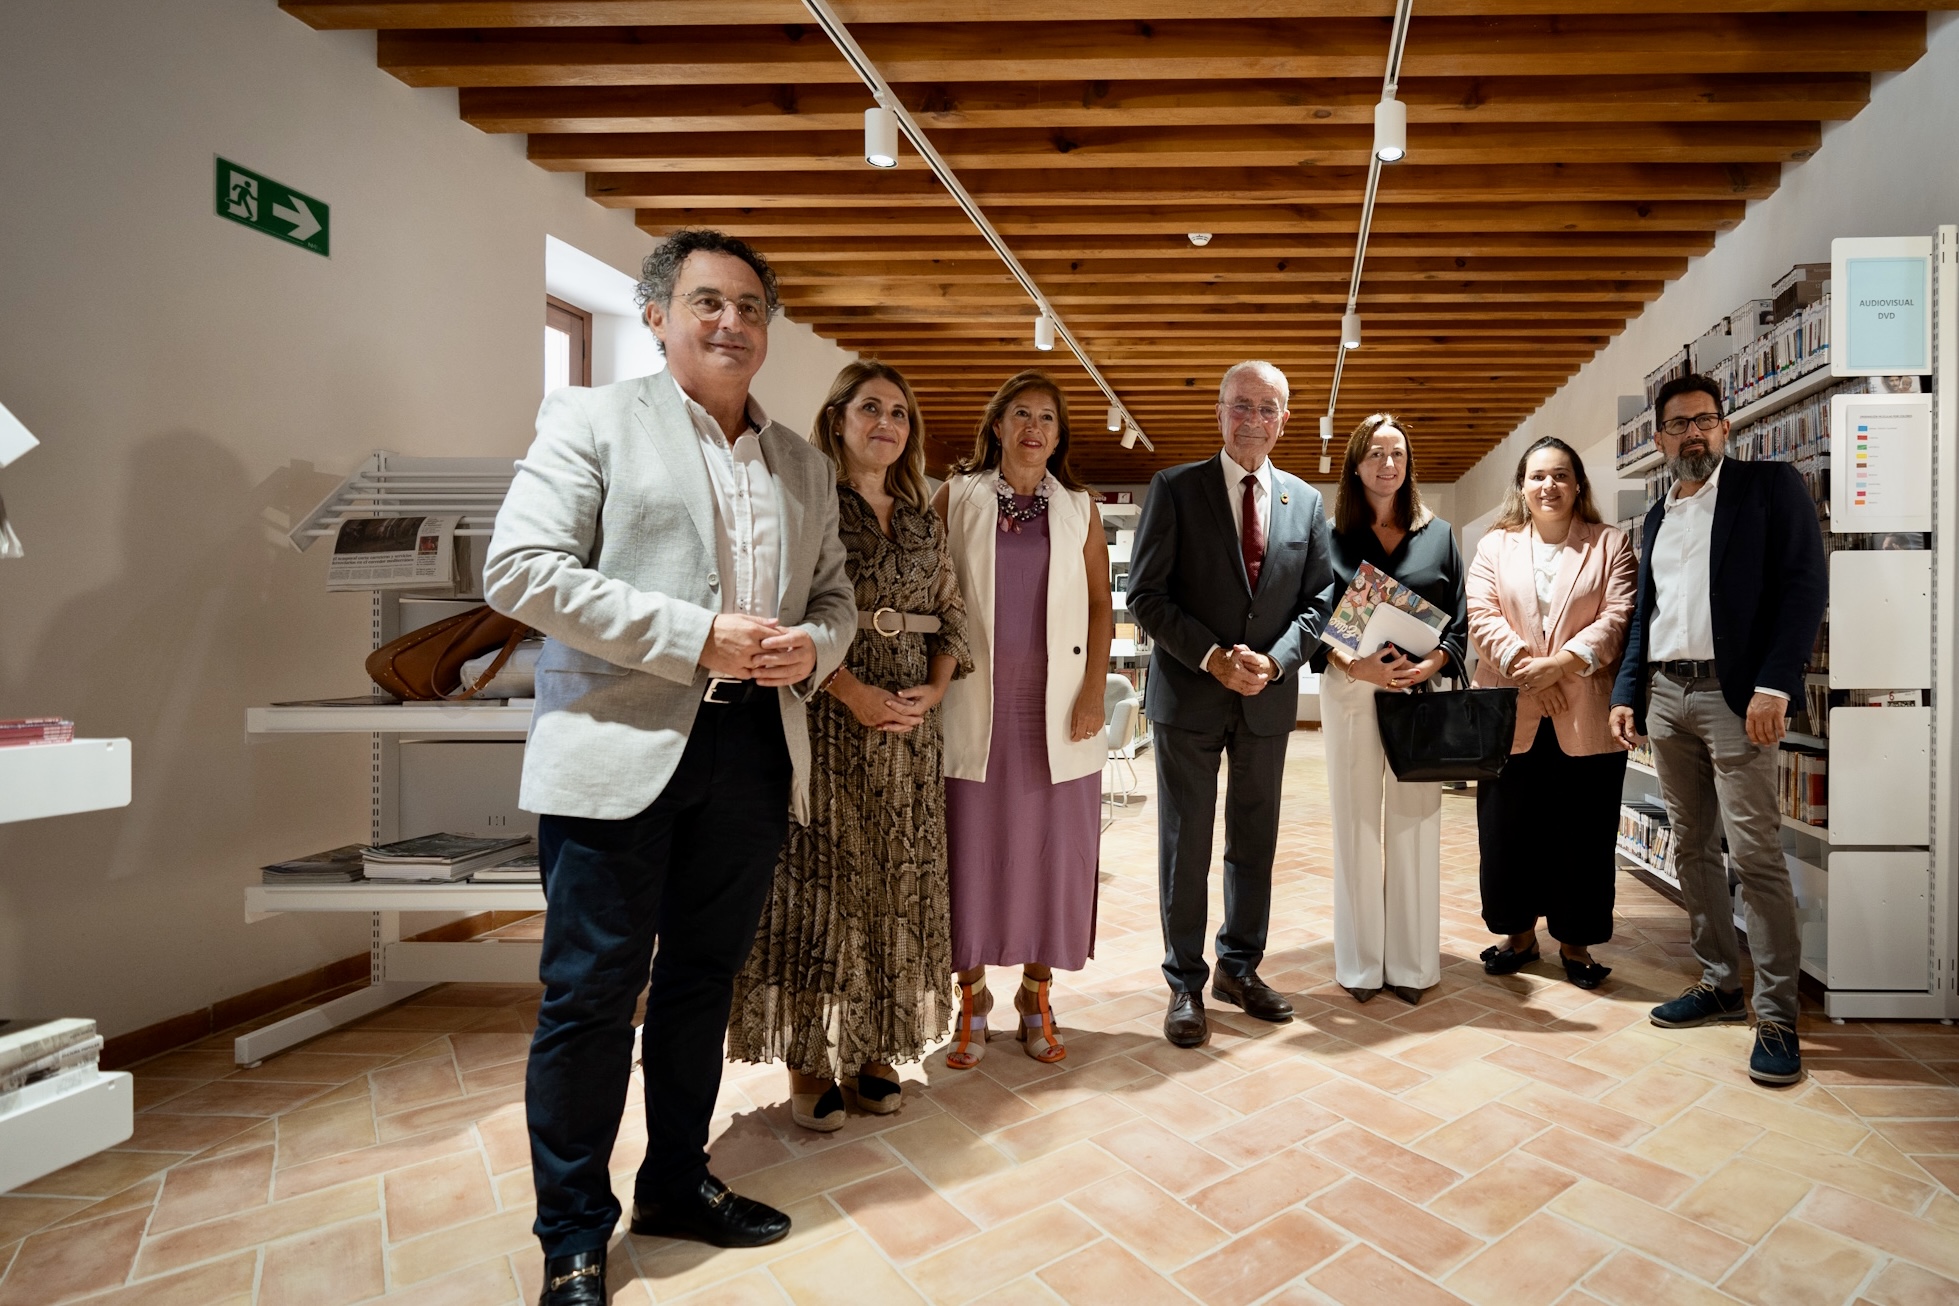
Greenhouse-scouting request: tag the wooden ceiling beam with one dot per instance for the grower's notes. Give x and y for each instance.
(1198, 270)
(1298, 145)
(368, 15)
(1531, 317)
(1565, 45)
(891, 294)
(1381, 328)
(957, 109)
(1226, 246)
(1699, 218)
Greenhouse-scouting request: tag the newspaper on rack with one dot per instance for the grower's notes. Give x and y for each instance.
(438, 856)
(385, 553)
(1377, 609)
(10, 545)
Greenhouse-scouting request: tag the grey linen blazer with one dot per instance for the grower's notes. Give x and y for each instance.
(606, 544)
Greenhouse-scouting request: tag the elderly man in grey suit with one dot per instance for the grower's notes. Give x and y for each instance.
(679, 550)
(1229, 564)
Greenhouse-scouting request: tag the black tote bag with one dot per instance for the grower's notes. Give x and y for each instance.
(1456, 734)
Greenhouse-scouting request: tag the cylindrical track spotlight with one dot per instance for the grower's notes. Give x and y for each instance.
(1326, 426)
(1129, 438)
(1044, 332)
(1326, 436)
(880, 137)
(1350, 331)
(1390, 130)
(1115, 418)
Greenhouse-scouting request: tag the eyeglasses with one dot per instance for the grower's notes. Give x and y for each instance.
(1699, 421)
(711, 304)
(1267, 413)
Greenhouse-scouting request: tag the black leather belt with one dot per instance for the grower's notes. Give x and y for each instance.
(725, 691)
(1684, 669)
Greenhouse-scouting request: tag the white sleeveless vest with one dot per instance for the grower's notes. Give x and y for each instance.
(972, 525)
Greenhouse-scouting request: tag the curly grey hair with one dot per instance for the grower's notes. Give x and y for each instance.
(661, 269)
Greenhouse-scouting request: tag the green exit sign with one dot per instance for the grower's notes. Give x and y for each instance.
(257, 201)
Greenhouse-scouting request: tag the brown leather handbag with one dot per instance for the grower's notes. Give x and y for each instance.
(428, 663)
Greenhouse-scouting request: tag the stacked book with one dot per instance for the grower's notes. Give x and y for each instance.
(1803, 780)
(35, 1050)
(522, 869)
(439, 857)
(1646, 836)
(342, 865)
(36, 730)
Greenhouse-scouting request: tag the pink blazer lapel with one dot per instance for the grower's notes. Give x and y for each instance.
(1519, 581)
(1576, 555)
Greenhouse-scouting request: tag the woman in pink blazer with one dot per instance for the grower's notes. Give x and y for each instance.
(1550, 593)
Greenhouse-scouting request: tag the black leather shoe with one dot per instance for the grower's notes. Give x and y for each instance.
(1408, 993)
(1507, 960)
(711, 1214)
(575, 1280)
(1359, 995)
(1253, 994)
(1184, 1024)
(1585, 974)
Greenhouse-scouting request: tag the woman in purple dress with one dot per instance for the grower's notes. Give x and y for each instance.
(1023, 733)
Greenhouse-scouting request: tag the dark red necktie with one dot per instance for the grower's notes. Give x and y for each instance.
(1251, 537)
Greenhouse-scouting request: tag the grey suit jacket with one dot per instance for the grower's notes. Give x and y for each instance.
(1189, 590)
(606, 544)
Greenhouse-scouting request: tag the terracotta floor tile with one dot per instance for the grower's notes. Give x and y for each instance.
(1361, 1276)
(221, 1283)
(1800, 1265)
(755, 1288)
(325, 1267)
(1262, 1190)
(844, 1271)
(902, 1214)
(20, 1216)
(1057, 1129)
(279, 1220)
(138, 1196)
(1939, 1137)
(1406, 1232)
(1005, 1196)
(101, 1175)
(228, 1097)
(1765, 1110)
(1177, 1106)
(159, 1133)
(807, 1176)
(1848, 1173)
(1632, 1280)
(1498, 1198)
(1656, 1095)
(436, 1194)
(1555, 1071)
(1532, 1265)
(1405, 1173)
(324, 1131)
(455, 1111)
(1451, 1047)
(1930, 1245)
(1162, 1157)
(1148, 1221)
(1744, 1199)
(1003, 1253)
(1024, 1291)
(1255, 1263)
(1588, 1158)
(206, 1190)
(188, 1063)
(1555, 1106)
(672, 1268)
(1660, 1234)
(487, 1283)
(419, 1083)
(1696, 1143)
(1106, 1274)
(945, 1151)
(1372, 1109)
(1263, 1088)
(1471, 1142)
(367, 1162)
(73, 1260)
(1270, 1131)
(1903, 1284)
(461, 1245)
(304, 1066)
(981, 1104)
(1899, 1101)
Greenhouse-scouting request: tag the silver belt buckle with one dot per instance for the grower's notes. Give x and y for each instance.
(714, 684)
(898, 619)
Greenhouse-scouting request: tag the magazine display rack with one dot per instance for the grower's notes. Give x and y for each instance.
(451, 737)
(1876, 867)
(75, 1114)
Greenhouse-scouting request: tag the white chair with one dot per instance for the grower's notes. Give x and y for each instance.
(1121, 712)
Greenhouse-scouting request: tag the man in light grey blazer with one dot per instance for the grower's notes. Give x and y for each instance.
(1230, 559)
(679, 550)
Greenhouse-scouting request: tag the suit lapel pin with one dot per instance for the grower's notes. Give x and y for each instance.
(1285, 498)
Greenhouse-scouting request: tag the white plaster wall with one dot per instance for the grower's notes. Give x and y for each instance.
(1891, 171)
(197, 385)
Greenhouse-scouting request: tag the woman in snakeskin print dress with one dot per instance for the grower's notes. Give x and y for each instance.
(852, 966)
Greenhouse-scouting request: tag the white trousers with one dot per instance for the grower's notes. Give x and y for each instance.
(1387, 850)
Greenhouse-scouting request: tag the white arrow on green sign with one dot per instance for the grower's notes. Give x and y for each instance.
(257, 201)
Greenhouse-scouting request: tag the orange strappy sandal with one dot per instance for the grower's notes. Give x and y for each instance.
(1038, 1035)
(969, 1041)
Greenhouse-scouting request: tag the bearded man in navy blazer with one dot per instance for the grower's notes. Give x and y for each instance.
(1227, 576)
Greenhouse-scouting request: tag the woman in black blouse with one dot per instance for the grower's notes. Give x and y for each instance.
(1387, 836)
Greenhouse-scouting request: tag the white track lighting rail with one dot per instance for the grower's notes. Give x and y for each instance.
(888, 99)
(1390, 146)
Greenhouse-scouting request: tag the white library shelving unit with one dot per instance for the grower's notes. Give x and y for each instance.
(1875, 885)
(433, 767)
(75, 1114)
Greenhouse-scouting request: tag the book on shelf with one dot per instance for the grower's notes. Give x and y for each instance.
(27, 1040)
(352, 700)
(1803, 785)
(438, 856)
(342, 865)
(22, 731)
(522, 869)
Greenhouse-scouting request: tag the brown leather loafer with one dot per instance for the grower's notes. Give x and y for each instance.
(1253, 995)
(1184, 1024)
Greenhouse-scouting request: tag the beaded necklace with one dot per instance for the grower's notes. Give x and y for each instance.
(1012, 512)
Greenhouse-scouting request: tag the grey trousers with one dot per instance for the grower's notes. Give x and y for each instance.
(1711, 775)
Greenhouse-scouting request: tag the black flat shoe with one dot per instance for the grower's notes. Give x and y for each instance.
(1503, 961)
(1585, 974)
(1359, 995)
(1408, 993)
(711, 1214)
(576, 1280)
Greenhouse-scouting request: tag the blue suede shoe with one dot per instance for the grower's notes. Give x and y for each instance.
(1778, 1056)
(1703, 1004)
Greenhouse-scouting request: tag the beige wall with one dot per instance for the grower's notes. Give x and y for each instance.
(196, 385)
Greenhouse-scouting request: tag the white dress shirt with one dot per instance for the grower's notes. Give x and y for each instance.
(747, 510)
(1682, 624)
(1234, 494)
(1546, 560)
